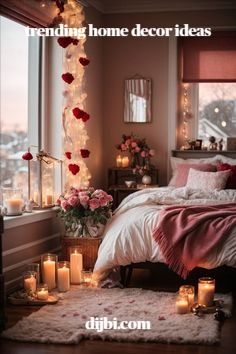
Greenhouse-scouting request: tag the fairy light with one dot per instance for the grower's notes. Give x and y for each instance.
(186, 113)
(74, 95)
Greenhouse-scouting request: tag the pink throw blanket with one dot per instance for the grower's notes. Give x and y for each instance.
(187, 235)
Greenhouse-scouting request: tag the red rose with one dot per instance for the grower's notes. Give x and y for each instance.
(65, 41)
(84, 61)
(85, 117)
(68, 154)
(84, 153)
(27, 156)
(68, 78)
(73, 168)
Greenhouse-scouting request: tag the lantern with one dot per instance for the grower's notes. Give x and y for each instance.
(42, 177)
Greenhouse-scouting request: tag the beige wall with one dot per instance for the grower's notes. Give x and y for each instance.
(148, 57)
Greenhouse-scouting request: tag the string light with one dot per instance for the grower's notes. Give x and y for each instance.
(186, 113)
(74, 95)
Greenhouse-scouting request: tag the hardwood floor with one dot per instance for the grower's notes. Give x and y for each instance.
(141, 278)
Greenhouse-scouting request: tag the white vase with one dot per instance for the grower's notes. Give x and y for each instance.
(146, 179)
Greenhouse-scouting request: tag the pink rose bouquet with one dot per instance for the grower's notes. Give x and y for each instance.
(84, 210)
(140, 152)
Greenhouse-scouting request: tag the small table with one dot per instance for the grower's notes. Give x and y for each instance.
(119, 192)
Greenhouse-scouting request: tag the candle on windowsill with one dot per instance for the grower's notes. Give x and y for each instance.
(42, 292)
(36, 197)
(125, 161)
(118, 161)
(14, 206)
(49, 199)
(76, 265)
(189, 291)
(206, 291)
(63, 276)
(182, 305)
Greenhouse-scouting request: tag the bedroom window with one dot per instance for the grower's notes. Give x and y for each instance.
(19, 98)
(208, 66)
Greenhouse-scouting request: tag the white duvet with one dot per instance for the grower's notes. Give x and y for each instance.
(128, 234)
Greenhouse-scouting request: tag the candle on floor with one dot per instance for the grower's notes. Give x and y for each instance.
(182, 305)
(63, 276)
(76, 265)
(48, 263)
(34, 267)
(30, 282)
(189, 291)
(118, 161)
(87, 277)
(42, 292)
(125, 161)
(206, 291)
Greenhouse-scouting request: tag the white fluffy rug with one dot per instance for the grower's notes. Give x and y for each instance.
(65, 321)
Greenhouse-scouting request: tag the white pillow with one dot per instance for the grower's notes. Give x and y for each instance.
(207, 181)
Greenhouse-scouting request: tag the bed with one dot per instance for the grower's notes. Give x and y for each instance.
(128, 235)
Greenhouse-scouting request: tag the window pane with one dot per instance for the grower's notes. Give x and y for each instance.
(14, 104)
(217, 110)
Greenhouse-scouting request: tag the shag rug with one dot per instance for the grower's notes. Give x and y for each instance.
(65, 321)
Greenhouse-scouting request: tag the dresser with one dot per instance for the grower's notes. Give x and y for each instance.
(116, 182)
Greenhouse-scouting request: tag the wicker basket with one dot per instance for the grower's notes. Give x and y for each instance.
(89, 246)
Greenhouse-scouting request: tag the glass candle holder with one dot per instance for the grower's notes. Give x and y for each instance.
(42, 292)
(34, 267)
(76, 264)
(63, 276)
(189, 291)
(30, 282)
(182, 305)
(206, 291)
(87, 277)
(13, 201)
(48, 267)
(118, 161)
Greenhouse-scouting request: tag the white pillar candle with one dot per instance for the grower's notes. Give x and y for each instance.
(49, 271)
(76, 266)
(206, 293)
(63, 279)
(182, 305)
(14, 206)
(36, 197)
(30, 284)
(42, 294)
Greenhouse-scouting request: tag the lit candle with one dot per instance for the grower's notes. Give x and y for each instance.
(30, 284)
(36, 197)
(76, 266)
(189, 291)
(119, 161)
(206, 291)
(87, 277)
(125, 161)
(14, 206)
(49, 199)
(42, 293)
(63, 278)
(49, 271)
(182, 305)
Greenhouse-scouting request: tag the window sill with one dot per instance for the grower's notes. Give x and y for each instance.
(27, 218)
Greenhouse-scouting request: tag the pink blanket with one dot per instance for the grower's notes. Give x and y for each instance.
(187, 235)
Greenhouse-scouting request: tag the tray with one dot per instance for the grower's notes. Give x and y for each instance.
(20, 298)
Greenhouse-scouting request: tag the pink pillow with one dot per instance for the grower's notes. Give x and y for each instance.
(231, 183)
(207, 181)
(181, 175)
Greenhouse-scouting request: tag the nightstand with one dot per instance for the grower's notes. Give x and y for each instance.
(116, 183)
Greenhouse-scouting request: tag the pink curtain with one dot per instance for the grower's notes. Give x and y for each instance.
(209, 59)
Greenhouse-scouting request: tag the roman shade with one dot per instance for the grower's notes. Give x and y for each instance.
(209, 59)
